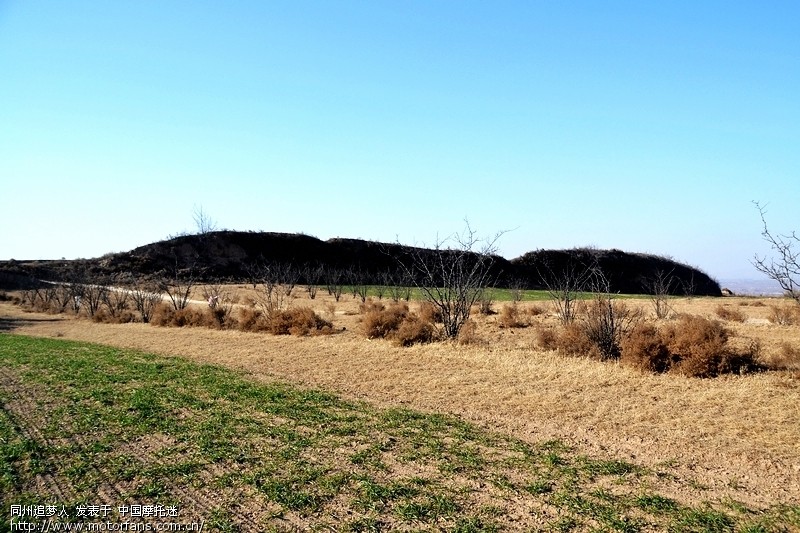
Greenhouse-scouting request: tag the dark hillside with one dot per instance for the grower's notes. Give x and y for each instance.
(628, 273)
(234, 256)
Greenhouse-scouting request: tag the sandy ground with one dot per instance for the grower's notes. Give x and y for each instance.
(735, 437)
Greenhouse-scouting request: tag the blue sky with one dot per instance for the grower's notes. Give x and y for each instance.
(643, 126)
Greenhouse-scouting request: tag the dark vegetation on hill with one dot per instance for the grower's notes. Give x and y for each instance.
(237, 257)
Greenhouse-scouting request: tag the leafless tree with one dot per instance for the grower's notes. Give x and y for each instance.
(564, 284)
(313, 274)
(334, 282)
(116, 300)
(62, 296)
(516, 286)
(359, 284)
(145, 298)
(178, 284)
(453, 275)
(785, 268)
(219, 302)
(275, 291)
(659, 287)
(400, 285)
(607, 320)
(203, 221)
(94, 295)
(254, 271)
(384, 281)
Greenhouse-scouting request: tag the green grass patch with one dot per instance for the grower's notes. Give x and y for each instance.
(229, 450)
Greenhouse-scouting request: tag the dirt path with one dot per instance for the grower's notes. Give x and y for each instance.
(736, 437)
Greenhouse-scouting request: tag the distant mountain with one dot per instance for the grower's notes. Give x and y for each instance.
(235, 256)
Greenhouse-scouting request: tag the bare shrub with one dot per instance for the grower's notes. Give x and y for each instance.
(93, 296)
(512, 317)
(469, 333)
(251, 319)
(430, 313)
(660, 286)
(116, 301)
(786, 268)
(546, 338)
(380, 322)
(313, 275)
(219, 303)
(606, 323)
(644, 349)
(165, 315)
(414, 330)
(485, 302)
(788, 358)
(535, 310)
(517, 289)
(334, 282)
(564, 285)
(732, 315)
(145, 298)
(358, 284)
(453, 278)
(177, 284)
(61, 298)
(298, 321)
(694, 346)
(573, 340)
(783, 315)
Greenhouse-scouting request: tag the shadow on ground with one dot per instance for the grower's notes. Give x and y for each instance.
(10, 324)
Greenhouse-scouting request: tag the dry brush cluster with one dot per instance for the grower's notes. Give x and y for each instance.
(397, 323)
(167, 304)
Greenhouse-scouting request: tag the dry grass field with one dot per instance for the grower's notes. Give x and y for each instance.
(731, 438)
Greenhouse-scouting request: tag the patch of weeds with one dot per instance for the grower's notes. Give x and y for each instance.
(289, 495)
(376, 496)
(430, 508)
(371, 456)
(705, 520)
(553, 459)
(539, 486)
(367, 525)
(220, 520)
(151, 488)
(15, 452)
(596, 467)
(124, 467)
(609, 512)
(472, 525)
(564, 524)
(503, 482)
(654, 503)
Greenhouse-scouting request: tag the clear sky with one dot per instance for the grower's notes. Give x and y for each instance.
(643, 126)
